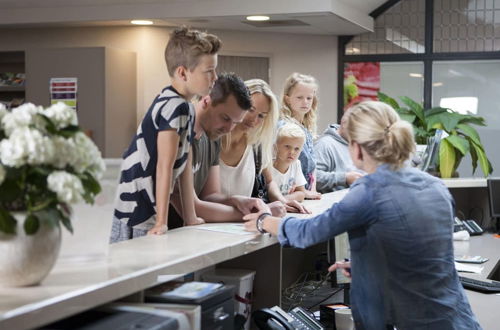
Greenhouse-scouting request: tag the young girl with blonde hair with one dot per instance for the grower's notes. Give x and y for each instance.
(299, 105)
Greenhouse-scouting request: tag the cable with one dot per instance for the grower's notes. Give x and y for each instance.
(329, 296)
(302, 288)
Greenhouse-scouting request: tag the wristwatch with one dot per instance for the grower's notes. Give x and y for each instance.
(260, 222)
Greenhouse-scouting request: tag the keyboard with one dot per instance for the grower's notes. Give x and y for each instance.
(478, 285)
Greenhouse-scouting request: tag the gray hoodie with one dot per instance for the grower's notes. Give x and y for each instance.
(332, 160)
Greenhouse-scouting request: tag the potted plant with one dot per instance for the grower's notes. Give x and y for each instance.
(46, 164)
(461, 137)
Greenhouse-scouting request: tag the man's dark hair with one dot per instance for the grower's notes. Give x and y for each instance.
(230, 84)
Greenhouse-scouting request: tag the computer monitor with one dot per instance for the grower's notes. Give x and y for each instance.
(494, 199)
(338, 249)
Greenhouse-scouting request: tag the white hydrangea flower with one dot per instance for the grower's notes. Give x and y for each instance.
(2, 174)
(65, 152)
(26, 146)
(68, 187)
(87, 156)
(61, 115)
(22, 116)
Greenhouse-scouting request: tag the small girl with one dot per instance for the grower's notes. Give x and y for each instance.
(287, 171)
(299, 105)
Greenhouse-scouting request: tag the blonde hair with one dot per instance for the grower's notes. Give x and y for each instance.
(290, 130)
(295, 78)
(186, 46)
(377, 128)
(262, 137)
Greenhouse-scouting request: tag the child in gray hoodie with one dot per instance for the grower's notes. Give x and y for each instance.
(334, 168)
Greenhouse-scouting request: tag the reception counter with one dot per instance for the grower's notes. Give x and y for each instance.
(132, 266)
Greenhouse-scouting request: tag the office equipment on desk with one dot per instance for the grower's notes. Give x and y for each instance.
(494, 200)
(480, 285)
(215, 299)
(471, 259)
(469, 225)
(242, 280)
(275, 318)
(122, 317)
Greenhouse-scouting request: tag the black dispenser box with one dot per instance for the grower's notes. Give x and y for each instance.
(217, 307)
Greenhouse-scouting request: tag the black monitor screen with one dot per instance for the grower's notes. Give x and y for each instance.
(494, 194)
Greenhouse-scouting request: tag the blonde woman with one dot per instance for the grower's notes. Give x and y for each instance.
(399, 220)
(300, 105)
(248, 148)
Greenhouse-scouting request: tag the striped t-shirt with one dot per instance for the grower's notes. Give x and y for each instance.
(135, 202)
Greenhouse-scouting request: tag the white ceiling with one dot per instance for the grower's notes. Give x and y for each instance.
(321, 17)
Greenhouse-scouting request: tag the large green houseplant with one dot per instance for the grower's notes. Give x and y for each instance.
(462, 137)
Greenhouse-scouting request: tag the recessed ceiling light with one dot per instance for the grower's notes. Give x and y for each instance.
(141, 22)
(416, 75)
(258, 18)
(437, 84)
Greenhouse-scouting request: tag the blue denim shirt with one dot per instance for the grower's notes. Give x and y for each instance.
(400, 226)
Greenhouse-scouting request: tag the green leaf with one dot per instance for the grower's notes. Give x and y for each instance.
(473, 155)
(470, 132)
(67, 223)
(31, 224)
(483, 160)
(409, 118)
(387, 99)
(473, 120)
(416, 108)
(51, 127)
(446, 159)
(8, 223)
(91, 187)
(448, 119)
(434, 111)
(69, 131)
(51, 215)
(11, 190)
(459, 143)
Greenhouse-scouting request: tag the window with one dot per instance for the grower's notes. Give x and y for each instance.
(399, 30)
(466, 26)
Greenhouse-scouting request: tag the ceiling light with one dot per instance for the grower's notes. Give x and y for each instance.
(437, 84)
(141, 22)
(258, 18)
(416, 75)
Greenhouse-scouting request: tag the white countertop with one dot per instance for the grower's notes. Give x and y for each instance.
(465, 182)
(130, 267)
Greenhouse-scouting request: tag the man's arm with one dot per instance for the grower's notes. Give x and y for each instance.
(211, 193)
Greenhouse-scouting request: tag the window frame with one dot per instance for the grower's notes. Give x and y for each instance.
(428, 57)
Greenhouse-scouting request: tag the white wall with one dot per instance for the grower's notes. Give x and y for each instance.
(315, 55)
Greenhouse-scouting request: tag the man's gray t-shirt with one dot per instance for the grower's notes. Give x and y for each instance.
(205, 155)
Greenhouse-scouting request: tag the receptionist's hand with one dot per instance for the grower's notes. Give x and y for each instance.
(345, 266)
(270, 224)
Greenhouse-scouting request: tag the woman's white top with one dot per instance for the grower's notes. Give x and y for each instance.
(239, 179)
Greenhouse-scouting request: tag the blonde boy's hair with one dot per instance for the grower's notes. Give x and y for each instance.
(290, 130)
(376, 127)
(186, 46)
(295, 78)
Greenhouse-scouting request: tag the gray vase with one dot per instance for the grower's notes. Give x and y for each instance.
(27, 259)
